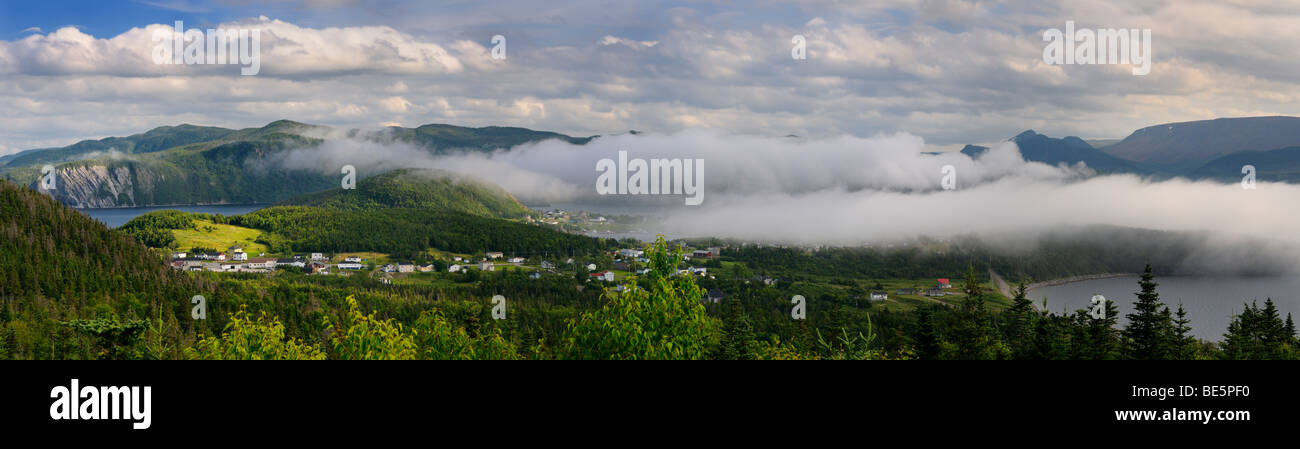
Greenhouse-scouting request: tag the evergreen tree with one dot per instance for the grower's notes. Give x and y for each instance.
(1020, 326)
(928, 343)
(1150, 325)
(737, 334)
(1185, 344)
(972, 336)
(1049, 339)
(1289, 328)
(1097, 338)
(1258, 334)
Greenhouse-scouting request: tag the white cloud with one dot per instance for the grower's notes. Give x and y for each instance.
(951, 71)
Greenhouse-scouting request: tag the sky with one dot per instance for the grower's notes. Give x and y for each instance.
(947, 71)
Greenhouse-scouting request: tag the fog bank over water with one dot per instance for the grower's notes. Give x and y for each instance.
(849, 190)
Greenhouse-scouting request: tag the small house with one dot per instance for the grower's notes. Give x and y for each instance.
(261, 263)
(879, 296)
(607, 276)
(495, 255)
(486, 266)
(319, 268)
(454, 269)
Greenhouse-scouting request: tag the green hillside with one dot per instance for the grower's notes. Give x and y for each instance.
(420, 188)
(189, 164)
(402, 213)
(59, 267)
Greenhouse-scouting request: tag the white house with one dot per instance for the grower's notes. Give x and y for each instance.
(178, 255)
(630, 252)
(405, 267)
(607, 276)
(486, 266)
(591, 267)
(352, 259)
(494, 255)
(516, 260)
(454, 269)
(239, 256)
(879, 296)
(350, 266)
(261, 263)
(317, 256)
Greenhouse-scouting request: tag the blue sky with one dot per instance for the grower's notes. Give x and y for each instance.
(949, 71)
(99, 18)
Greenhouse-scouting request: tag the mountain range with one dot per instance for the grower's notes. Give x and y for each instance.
(1207, 149)
(189, 164)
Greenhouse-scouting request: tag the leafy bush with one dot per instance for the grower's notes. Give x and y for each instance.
(246, 338)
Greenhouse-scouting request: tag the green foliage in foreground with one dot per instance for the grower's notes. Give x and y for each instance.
(248, 338)
(665, 320)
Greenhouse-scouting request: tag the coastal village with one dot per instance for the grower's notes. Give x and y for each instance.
(235, 260)
(626, 262)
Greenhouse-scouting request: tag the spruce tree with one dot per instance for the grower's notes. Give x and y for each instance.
(1150, 324)
(973, 336)
(1020, 324)
(1184, 343)
(1097, 338)
(737, 333)
(927, 335)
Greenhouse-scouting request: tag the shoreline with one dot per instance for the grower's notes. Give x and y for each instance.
(1006, 289)
(166, 206)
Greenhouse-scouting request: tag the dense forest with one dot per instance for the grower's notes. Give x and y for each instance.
(402, 213)
(70, 288)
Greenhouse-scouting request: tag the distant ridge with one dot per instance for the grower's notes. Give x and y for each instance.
(1184, 143)
(1069, 150)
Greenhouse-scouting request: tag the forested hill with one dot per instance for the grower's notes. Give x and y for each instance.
(406, 212)
(402, 213)
(189, 164)
(51, 251)
(58, 265)
(420, 189)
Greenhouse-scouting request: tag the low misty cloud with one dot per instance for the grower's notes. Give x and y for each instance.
(850, 191)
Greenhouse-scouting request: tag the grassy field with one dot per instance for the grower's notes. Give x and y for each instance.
(219, 237)
(366, 257)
